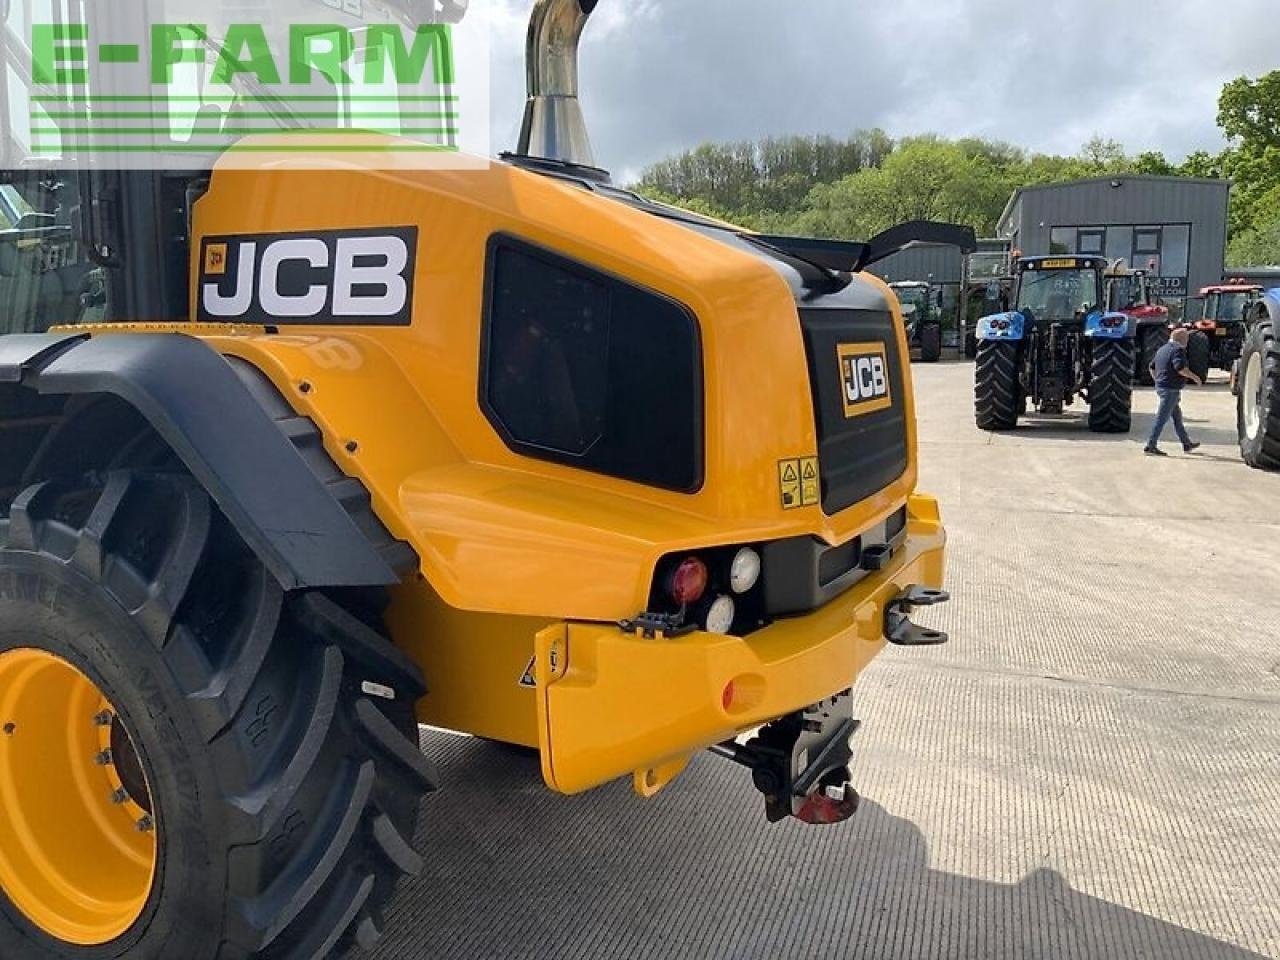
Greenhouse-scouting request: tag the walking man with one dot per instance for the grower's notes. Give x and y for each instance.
(1171, 374)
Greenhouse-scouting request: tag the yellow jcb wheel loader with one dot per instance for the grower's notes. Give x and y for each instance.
(522, 455)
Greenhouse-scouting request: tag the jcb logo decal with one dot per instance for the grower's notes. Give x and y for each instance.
(338, 277)
(864, 378)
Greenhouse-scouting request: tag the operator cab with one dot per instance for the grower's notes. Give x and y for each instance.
(1229, 303)
(1058, 290)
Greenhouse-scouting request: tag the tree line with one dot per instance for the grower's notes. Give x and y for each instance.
(855, 187)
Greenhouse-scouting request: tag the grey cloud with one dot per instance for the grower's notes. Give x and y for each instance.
(664, 75)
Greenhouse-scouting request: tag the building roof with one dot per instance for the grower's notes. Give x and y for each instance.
(1086, 181)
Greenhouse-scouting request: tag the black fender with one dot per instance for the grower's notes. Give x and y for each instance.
(203, 410)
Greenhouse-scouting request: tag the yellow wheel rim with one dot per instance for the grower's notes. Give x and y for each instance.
(77, 847)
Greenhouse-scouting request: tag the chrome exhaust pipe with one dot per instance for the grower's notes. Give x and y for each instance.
(554, 127)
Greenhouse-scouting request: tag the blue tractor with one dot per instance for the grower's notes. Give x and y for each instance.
(1058, 343)
(1257, 382)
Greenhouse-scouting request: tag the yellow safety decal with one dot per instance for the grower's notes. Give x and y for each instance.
(799, 483)
(556, 656)
(1066, 264)
(810, 487)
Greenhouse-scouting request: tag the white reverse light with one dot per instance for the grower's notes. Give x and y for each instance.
(744, 572)
(720, 616)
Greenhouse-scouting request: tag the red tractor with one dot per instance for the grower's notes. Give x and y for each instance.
(1130, 292)
(1223, 322)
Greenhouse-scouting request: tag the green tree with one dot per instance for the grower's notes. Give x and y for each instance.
(1249, 114)
(924, 179)
(1259, 244)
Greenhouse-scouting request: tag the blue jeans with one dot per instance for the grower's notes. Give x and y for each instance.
(1170, 409)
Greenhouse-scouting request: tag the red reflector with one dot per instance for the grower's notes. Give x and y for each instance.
(818, 808)
(726, 698)
(688, 581)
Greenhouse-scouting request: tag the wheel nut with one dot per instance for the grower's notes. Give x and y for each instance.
(103, 759)
(104, 719)
(120, 796)
(146, 825)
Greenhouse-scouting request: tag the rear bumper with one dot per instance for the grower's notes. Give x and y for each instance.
(612, 704)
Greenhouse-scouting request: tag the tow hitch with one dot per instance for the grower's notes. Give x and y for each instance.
(898, 627)
(801, 762)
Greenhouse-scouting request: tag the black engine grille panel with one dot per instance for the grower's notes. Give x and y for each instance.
(862, 454)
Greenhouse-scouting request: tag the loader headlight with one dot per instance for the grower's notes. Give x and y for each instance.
(744, 572)
(720, 615)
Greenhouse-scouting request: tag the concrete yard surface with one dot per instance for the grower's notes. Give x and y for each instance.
(1090, 769)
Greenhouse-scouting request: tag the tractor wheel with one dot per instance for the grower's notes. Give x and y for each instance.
(1198, 355)
(931, 344)
(1258, 405)
(970, 345)
(998, 395)
(1150, 340)
(193, 763)
(1111, 386)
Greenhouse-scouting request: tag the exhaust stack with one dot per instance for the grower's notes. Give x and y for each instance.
(554, 127)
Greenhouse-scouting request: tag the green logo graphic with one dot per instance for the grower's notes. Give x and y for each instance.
(372, 85)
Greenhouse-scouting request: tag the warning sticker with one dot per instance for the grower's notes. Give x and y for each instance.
(799, 482)
(789, 484)
(810, 487)
(558, 664)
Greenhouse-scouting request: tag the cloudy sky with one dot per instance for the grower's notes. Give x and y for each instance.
(660, 76)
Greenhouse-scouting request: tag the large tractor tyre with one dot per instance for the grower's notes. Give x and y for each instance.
(1258, 404)
(1111, 386)
(1198, 355)
(931, 344)
(193, 763)
(1150, 340)
(998, 394)
(970, 345)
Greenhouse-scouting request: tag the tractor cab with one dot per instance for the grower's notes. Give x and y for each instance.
(922, 313)
(1227, 304)
(1052, 291)
(1218, 336)
(915, 300)
(1130, 292)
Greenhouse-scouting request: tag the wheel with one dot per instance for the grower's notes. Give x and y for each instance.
(1198, 354)
(1151, 339)
(931, 344)
(202, 766)
(1258, 405)
(1111, 386)
(970, 345)
(998, 395)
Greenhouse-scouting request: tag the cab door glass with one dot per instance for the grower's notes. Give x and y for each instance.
(45, 278)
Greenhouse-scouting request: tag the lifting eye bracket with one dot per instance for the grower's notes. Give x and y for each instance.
(898, 627)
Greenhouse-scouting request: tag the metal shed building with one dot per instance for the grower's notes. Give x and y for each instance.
(1174, 226)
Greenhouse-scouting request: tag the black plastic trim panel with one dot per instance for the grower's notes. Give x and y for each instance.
(804, 573)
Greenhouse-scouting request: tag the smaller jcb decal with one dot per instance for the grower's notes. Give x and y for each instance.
(327, 277)
(215, 260)
(864, 378)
